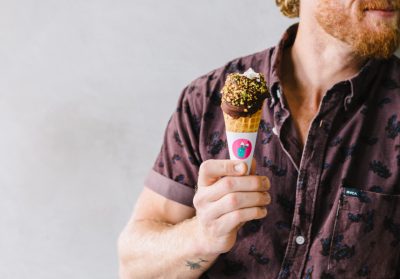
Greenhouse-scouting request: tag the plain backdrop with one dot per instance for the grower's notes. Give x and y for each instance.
(86, 89)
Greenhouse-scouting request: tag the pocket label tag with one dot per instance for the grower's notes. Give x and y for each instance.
(352, 192)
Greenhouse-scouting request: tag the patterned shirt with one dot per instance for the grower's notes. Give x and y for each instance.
(335, 210)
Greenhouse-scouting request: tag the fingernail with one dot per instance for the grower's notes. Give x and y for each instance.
(239, 167)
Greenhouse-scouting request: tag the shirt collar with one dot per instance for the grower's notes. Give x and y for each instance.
(274, 73)
(355, 86)
(361, 82)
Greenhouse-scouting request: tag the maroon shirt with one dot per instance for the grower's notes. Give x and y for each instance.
(335, 209)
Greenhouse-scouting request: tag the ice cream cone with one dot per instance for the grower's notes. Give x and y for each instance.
(241, 135)
(242, 100)
(248, 124)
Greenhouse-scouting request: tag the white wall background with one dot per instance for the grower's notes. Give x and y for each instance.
(86, 89)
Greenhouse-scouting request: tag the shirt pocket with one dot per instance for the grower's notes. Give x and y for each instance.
(366, 235)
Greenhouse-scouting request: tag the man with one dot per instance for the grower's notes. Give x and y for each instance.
(326, 163)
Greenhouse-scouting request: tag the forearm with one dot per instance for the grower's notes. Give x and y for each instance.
(151, 249)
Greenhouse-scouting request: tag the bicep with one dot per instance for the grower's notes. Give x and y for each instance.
(153, 206)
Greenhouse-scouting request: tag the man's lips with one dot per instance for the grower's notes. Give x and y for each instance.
(383, 8)
(384, 11)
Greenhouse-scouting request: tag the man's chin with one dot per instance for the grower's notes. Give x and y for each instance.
(375, 51)
(376, 44)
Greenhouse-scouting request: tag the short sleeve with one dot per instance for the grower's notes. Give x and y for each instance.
(174, 174)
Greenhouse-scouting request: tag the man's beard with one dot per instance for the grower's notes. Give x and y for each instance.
(377, 38)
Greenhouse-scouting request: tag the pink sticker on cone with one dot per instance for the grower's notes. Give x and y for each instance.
(242, 148)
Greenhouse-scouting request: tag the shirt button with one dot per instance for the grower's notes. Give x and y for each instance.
(300, 240)
(278, 93)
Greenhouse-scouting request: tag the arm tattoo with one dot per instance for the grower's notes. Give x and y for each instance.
(195, 265)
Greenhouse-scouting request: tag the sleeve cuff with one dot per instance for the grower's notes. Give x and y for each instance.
(169, 188)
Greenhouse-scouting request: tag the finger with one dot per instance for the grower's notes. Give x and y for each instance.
(235, 201)
(211, 170)
(232, 220)
(253, 166)
(232, 184)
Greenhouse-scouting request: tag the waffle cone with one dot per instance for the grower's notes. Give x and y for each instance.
(243, 124)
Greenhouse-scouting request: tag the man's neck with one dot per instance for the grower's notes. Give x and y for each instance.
(316, 62)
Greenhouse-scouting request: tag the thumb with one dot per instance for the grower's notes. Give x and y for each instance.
(212, 170)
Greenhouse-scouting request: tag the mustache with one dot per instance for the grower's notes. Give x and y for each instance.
(379, 5)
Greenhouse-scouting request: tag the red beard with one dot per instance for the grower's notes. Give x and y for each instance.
(367, 35)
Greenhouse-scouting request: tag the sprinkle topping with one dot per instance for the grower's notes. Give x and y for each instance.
(246, 92)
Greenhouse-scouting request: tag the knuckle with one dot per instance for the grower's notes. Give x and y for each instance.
(229, 183)
(237, 216)
(196, 201)
(233, 200)
(205, 166)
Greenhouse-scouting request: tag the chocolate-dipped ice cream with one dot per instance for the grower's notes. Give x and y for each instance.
(243, 94)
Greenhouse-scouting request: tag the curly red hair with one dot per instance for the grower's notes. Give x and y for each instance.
(289, 8)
